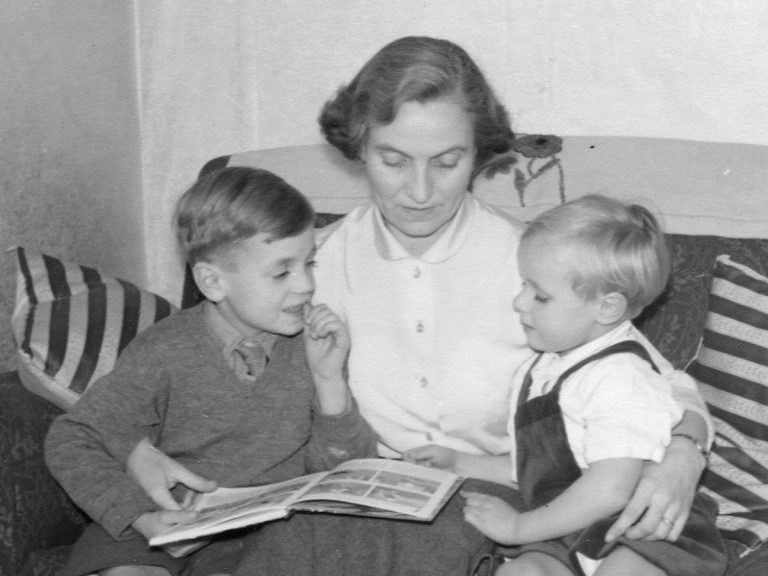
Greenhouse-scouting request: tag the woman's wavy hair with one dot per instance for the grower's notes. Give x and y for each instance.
(616, 247)
(230, 205)
(415, 68)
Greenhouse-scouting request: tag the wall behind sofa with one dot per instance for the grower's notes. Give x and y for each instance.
(254, 73)
(69, 140)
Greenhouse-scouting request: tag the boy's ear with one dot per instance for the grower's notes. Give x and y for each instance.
(209, 280)
(613, 307)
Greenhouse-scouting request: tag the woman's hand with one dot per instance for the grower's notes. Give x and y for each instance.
(156, 473)
(662, 500)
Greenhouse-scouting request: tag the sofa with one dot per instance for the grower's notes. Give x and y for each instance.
(710, 197)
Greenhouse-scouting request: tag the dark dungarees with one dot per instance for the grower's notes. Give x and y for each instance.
(546, 467)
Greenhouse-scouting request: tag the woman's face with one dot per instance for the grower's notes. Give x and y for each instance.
(419, 167)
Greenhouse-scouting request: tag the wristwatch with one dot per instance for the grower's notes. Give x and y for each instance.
(699, 446)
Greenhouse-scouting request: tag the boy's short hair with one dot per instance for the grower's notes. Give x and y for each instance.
(617, 247)
(233, 204)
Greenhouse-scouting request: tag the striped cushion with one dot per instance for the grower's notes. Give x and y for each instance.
(71, 322)
(732, 367)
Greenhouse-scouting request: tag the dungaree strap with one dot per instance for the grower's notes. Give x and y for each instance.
(630, 346)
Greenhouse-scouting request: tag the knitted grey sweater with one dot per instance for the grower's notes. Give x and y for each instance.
(173, 385)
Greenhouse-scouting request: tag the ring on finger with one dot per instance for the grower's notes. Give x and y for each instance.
(668, 522)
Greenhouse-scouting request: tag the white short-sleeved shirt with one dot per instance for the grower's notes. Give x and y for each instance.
(614, 407)
(435, 340)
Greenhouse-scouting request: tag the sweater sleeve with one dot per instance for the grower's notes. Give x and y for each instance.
(336, 439)
(86, 448)
(92, 478)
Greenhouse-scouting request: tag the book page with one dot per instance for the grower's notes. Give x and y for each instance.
(397, 489)
(228, 508)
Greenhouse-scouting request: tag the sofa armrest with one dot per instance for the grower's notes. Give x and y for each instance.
(35, 513)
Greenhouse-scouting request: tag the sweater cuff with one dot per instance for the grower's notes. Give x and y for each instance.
(339, 426)
(120, 516)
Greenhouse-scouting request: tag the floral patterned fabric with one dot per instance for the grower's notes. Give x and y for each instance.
(35, 514)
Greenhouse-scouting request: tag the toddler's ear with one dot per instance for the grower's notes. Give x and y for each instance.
(209, 280)
(613, 308)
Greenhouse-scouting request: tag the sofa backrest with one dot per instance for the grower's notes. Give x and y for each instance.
(711, 197)
(697, 187)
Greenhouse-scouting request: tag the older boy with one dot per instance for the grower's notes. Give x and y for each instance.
(228, 388)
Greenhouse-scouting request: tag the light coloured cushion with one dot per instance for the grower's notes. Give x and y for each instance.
(732, 368)
(71, 322)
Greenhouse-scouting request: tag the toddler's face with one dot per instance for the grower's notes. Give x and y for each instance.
(554, 317)
(267, 284)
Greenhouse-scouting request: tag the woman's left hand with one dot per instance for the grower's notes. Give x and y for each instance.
(662, 500)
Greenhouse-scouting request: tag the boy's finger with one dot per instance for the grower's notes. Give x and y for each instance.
(164, 500)
(191, 480)
(173, 517)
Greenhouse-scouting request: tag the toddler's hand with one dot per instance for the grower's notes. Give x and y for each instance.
(492, 516)
(432, 456)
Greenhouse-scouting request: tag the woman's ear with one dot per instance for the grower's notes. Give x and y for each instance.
(209, 280)
(613, 308)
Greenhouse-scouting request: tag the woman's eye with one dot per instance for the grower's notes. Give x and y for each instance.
(393, 161)
(449, 161)
(311, 263)
(541, 299)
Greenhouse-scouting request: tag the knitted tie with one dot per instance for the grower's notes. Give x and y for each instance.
(254, 357)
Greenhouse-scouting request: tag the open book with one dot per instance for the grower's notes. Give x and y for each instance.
(369, 487)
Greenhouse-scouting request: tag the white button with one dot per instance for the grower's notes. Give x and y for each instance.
(424, 382)
(429, 436)
(416, 272)
(419, 327)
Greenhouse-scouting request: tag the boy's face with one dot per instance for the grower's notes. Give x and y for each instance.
(265, 286)
(554, 317)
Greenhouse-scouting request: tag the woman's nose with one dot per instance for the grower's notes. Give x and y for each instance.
(420, 184)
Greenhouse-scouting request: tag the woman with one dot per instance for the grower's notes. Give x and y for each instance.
(422, 118)
(424, 276)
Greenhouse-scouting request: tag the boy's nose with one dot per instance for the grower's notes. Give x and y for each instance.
(304, 282)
